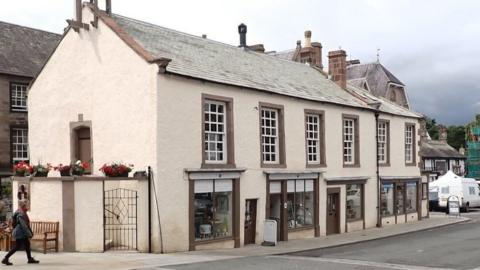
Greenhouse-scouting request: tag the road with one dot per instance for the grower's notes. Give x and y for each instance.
(452, 247)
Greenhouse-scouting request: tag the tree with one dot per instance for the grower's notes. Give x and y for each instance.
(432, 128)
(456, 136)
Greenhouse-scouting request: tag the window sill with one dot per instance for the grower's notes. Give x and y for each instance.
(217, 166)
(216, 240)
(354, 220)
(410, 164)
(384, 164)
(304, 228)
(267, 165)
(351, 165)
(320, 165)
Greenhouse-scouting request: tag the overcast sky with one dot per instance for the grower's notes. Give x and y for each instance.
(432, 46)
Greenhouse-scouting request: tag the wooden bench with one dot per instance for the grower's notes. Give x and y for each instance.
(45, 231)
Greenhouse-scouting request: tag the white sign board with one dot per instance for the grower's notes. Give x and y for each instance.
(270, 232)
(453, 205)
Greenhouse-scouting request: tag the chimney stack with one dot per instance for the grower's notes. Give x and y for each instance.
(308, 39)
(337, 67)
(442, 134)
(242, 30)
(204, 36)
(108, 7)
(78, 11)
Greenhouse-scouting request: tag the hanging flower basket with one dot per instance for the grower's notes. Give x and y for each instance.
(116, 169)
(22, 169)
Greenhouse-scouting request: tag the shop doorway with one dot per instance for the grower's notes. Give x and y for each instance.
(250, 221)
(333, 210)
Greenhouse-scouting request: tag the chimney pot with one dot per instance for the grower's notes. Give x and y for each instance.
(308, 38)
(337, 67)
(108, 7)
(204, 36)
(242, 30)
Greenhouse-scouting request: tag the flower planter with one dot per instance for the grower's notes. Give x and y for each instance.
(117, 175)
(41, 174)
(21, 174)
(65, 173)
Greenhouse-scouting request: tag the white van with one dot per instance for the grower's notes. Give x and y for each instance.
(450, 184)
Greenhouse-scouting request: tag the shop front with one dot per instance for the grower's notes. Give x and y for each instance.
(400, 201)
(292, 201)
(214, 208)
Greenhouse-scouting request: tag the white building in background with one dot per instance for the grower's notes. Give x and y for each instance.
(233, 136)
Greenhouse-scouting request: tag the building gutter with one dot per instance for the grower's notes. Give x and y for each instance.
(376, 107)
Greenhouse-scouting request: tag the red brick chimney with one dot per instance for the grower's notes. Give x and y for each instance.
(337, 67)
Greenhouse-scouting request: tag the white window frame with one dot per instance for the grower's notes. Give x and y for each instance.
(349, 141)
(213, 137)
(409, 144)
(313, 138)
(272, 136)
(20, 149)
(18, 97)
(382, 142)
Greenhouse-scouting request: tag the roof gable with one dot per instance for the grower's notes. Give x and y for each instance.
(23, 50)
(377, 76)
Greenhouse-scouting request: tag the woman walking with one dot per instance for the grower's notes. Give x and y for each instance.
(21, 233)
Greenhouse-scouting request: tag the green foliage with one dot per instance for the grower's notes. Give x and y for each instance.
(432, 128)
(456, 136)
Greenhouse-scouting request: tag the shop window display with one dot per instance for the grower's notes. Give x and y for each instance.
(213, 209)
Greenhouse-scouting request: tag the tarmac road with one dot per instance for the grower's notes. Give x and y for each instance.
(451, 247)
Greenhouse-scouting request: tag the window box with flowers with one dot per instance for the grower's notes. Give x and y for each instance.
(116, 169)
(64, 170)
(41, 170)
(78, 168)
(22, 169)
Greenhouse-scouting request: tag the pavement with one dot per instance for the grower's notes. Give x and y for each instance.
(132, 260)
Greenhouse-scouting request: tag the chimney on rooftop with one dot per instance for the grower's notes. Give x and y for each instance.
(442, 134)
(308, 39)
(78, 11)
(242, 30)
(108, 7)
(337, 67)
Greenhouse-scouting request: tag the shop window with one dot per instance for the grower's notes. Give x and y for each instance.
(400, 202)
(300, 199)
(411, 199)
(354, 202)
(386, 197)
(213, 204)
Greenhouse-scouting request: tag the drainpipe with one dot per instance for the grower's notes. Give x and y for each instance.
(149, 177)
(376, 106)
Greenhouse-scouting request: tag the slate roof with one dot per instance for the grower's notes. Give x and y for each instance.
(376, 75)
(210, 60)
(23, 50)
(438, 149)
(387, 106)
(286, 55)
